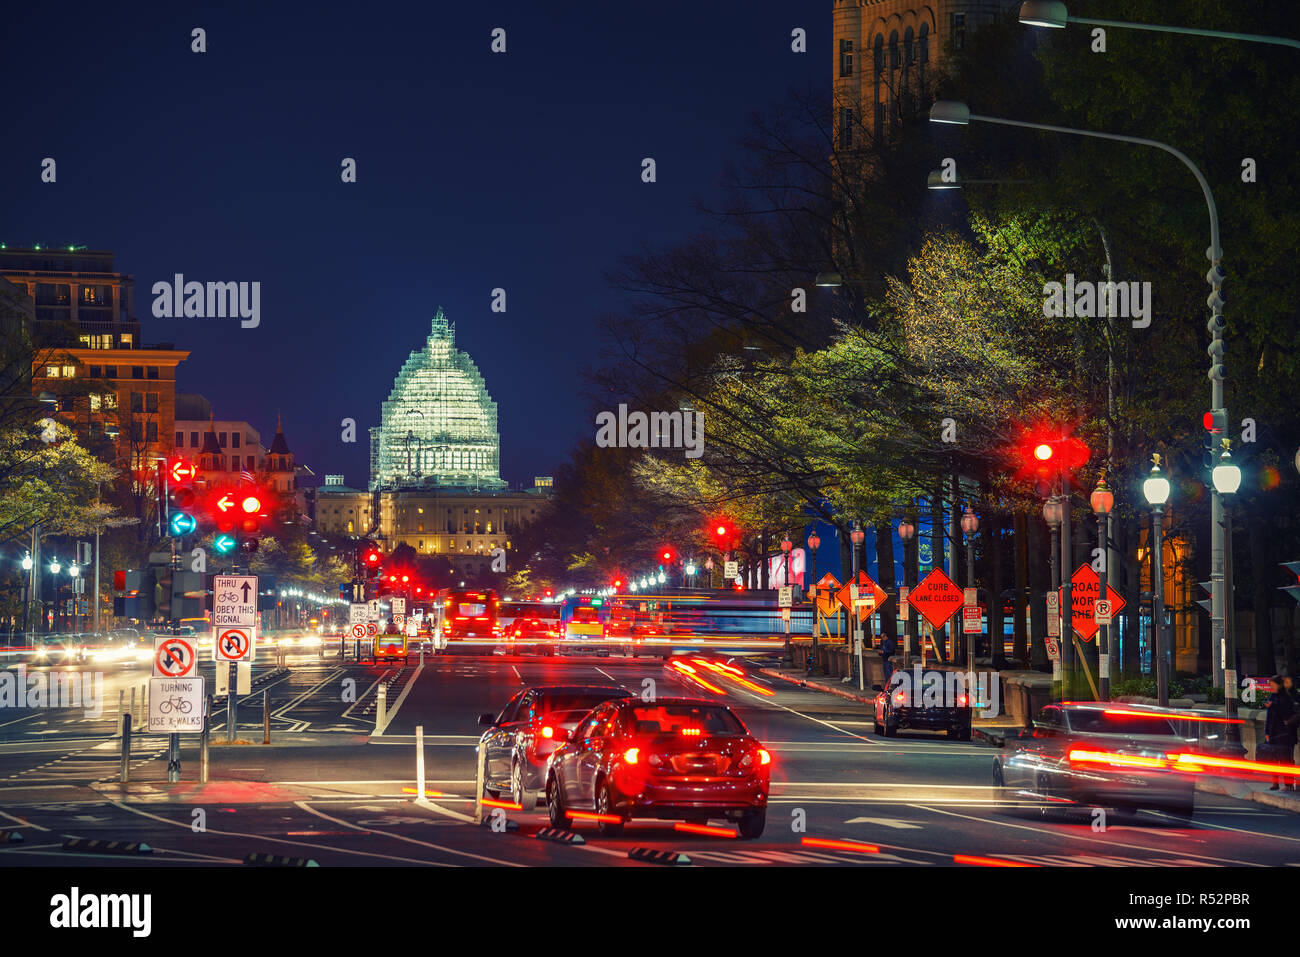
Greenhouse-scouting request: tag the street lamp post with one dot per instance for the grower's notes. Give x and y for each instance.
(1155, 489)
(1052, 515)
(814, 543)
(1226, 477)
(856, 537)
(953, 112)
(1102, 501)
(906, 532)
(970, 524)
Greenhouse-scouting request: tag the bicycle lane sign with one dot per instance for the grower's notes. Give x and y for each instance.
(175, 705)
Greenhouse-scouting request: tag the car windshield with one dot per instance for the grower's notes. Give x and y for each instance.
(1096, 721)
(674, 718)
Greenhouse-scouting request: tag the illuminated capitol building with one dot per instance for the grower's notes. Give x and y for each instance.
(435, 479)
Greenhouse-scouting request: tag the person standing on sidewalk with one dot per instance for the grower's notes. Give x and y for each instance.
(1280, 731)
(888, 648)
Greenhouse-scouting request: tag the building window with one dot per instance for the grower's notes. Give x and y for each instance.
(194, 440)
(180, 440)
(152, 372)
(846, 58)
(234, 440)
(846, 128)
(958, 30)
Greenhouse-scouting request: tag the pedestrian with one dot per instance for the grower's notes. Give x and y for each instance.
(1280, 731)
(888, 648)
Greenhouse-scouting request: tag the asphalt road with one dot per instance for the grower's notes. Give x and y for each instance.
(328, 788)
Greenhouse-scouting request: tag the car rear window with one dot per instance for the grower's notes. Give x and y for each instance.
(674, 718)
(1092, 721)
(576, 701)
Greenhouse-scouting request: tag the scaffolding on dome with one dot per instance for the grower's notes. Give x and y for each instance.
(438, 427)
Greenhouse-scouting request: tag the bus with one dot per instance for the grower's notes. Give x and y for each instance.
(465, 614)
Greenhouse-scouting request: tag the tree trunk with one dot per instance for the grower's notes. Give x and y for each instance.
(885, 576)
(1020, 535)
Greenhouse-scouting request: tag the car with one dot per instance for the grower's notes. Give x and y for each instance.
(519, 741)
(940, 703)
(1098, 754)
(673, 758)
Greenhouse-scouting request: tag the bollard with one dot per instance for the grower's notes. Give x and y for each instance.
(203, 740)
(419, 761)
(266, 717)
(126, 748)
(381, 709)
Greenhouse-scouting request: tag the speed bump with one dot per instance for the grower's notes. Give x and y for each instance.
(652, 856)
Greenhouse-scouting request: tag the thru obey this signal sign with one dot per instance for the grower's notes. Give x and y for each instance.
(233, 644)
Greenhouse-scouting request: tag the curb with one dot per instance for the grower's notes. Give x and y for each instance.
(1282, 800)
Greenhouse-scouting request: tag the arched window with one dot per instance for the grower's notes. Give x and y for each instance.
(893, 50)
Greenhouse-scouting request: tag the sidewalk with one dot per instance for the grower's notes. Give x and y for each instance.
(991, 731)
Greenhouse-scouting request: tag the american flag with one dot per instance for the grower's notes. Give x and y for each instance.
(246, 476)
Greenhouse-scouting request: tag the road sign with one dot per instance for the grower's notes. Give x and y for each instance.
(785, 597)
(399, 606)
(1102, 611)
(175, 705)
(936, 598)
(233, 644)
(904, 610)
(1085, 590)
(234, 601)
(971, 622)
(870, 596)
(730, 571)
(173, 657)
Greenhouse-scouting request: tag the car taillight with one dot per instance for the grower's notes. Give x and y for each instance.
(548, 732)
(632, 755)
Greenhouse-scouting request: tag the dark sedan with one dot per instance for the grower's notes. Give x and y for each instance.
(519, 741)
(675, 758)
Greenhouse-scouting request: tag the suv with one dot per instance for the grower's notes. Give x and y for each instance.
(937, 705)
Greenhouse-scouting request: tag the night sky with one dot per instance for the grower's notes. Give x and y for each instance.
(475, 170)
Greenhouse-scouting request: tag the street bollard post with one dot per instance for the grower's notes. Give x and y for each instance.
(126, 748)
(419, 761)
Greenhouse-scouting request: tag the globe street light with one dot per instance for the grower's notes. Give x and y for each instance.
(1155, 489)
(1102, 501)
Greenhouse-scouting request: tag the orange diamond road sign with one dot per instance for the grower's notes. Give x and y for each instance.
(826, 586)
(866, 588)
(1085, 589)
(937, 598)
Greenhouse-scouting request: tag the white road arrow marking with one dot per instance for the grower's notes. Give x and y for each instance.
(885, 822)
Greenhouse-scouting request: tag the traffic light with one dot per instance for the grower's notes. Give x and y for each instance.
(179, 482)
